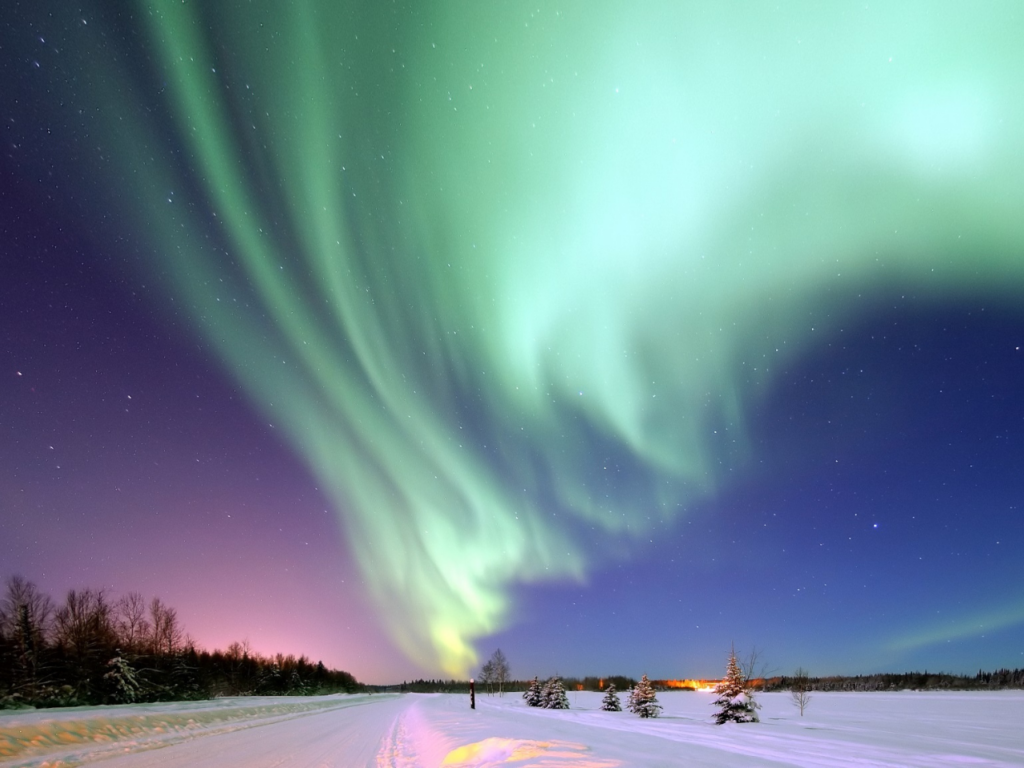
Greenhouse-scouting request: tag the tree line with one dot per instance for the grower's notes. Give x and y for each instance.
(622, 682)
(906, 681)
(91, 649)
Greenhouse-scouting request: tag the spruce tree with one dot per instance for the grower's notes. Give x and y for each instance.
(610, 702)
(643, 700)
(554, 694)
(735, 702)
(123, 680)
(534, 695)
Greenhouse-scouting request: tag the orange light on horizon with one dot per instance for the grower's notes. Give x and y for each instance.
(704, 685)
(689, 685)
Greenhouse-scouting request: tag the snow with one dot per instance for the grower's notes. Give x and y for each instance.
(403, 731)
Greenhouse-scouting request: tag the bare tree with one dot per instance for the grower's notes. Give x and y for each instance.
(83, 623)
(166, 634)
(239, 654)
(800, 689)
(130, 622)
(234, 651)
(487, 674)
(500, 671)
(84, 633)
(755, 670)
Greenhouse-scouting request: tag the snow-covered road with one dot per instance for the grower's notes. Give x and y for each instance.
(402, 731)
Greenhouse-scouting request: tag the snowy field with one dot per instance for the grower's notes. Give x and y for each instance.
(839, 729)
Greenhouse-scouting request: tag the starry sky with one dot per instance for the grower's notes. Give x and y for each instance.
(607, 335)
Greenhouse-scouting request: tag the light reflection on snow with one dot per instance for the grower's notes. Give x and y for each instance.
(551, 754)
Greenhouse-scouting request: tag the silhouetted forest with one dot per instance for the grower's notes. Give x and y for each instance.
(94, 650)
(913, 681)
(907, 681)
(513, 686)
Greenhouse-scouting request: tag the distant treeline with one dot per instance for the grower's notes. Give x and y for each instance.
(908, 681)
(92, 650)
(514, 686)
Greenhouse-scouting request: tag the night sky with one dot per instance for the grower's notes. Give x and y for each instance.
(609, 335)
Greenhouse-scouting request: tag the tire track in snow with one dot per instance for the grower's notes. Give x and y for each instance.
(397, 749)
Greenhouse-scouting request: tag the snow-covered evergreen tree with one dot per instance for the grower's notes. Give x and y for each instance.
(643, 700)
(610, 702)
(554, 694)
(124, 680)
(735, 701)
(271, 680)
(534, 695)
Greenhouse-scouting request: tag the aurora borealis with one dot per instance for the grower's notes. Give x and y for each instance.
(527, 291)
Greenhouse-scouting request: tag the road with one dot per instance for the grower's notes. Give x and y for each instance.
(349, 735)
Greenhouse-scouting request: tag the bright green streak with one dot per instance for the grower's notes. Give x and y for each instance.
(473, 257)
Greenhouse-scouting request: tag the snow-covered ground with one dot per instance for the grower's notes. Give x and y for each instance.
(838, 729)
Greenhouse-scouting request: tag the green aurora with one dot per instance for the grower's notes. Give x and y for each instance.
(508, 277)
